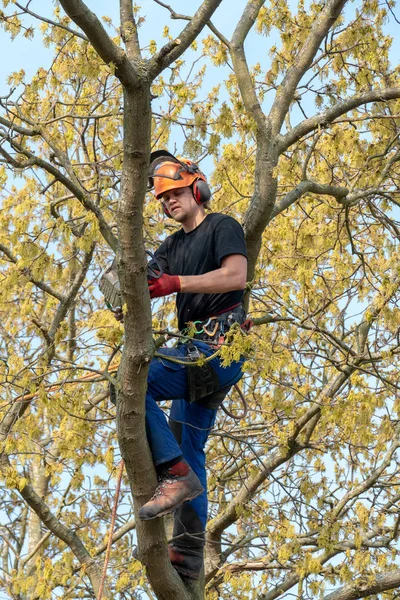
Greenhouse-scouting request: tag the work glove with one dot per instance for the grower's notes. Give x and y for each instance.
(164, 285)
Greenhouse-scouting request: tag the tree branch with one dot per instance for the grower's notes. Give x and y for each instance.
(74, 187)
(63, 533)
(368, 588)
(173, 50)
(57, 528)
(129, 30)
(329, 115)
(26, 272)
(109, 52)
(240, 66)
(177, 16)
(50, 22)
(302, 62)
(303, 188)
(70, 297)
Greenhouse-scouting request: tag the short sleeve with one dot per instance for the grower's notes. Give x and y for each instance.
(228, 239)
(161, 254)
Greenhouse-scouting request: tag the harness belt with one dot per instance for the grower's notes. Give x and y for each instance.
(211, 330)
(203, 382)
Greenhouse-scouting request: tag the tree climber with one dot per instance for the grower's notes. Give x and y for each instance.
(205, 263)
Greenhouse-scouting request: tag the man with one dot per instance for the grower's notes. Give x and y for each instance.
(205, 264)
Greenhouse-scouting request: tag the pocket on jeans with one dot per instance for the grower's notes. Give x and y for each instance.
(170, 364)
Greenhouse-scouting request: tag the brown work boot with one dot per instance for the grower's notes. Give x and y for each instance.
(177, 484)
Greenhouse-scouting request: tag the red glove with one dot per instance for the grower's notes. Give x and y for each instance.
(165, 285)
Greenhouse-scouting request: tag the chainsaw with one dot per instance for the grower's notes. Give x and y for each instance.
(110, 286)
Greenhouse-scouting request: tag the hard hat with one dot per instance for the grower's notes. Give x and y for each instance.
(169, 173)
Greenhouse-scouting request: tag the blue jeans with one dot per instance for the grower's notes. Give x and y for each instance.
(168, 381)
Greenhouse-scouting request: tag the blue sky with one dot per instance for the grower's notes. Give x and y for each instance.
(31, 54)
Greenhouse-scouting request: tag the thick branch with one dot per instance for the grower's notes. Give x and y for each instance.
(367, 588)
(308, 186)
(109, 52)
(129, 30)
(240, 66)
(302, 62)
(138, 344)
(173, 50)
(18, 129)
(329, 115)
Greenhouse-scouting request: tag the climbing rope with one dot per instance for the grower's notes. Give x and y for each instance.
(112, 525)
(242, 415)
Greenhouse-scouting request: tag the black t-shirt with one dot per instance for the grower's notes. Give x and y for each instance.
(197, 252)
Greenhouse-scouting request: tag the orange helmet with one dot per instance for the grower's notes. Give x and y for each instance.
(169, 173)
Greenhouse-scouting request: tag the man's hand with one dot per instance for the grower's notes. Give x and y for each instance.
(165, 285)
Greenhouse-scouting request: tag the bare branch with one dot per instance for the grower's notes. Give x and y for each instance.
(116, 536)
(302, 62)
(101, 41)
(173, 50)
(240, 66)
(177, 16)
(366, 587)
(50, 22)
(329, 115)
(129, 30)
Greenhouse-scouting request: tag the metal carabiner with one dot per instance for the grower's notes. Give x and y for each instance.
(211, 333)
(198, 332)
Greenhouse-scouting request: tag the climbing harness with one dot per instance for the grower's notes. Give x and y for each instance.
(203, 382)
(214, 329)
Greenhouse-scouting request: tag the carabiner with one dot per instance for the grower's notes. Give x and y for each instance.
(197, 332)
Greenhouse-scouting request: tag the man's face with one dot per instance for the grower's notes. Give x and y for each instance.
(180, 204)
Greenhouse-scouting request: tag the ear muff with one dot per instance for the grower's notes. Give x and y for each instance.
(201, 191)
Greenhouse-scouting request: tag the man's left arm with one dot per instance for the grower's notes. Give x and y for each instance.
(229, 277)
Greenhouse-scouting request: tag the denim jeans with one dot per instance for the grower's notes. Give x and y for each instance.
(168, 381)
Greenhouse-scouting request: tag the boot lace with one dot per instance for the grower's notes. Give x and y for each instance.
(163, 482)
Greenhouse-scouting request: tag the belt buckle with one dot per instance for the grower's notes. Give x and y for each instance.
(193, 352)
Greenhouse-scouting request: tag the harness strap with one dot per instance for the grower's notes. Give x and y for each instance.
(202, 381)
